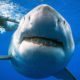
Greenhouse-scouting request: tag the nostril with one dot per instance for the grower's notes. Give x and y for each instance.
(24, 18)
(64, 21)
(29, 18)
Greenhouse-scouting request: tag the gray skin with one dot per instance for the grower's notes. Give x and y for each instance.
(43, 43)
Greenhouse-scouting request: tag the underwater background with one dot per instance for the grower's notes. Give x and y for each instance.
(70, 10)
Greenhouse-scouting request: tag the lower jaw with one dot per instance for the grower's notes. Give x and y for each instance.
(41, 59)
(38, 63)
(41, 54)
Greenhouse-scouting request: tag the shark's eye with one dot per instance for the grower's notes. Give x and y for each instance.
(58, 21)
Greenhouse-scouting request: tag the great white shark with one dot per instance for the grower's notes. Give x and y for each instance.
(42, 45)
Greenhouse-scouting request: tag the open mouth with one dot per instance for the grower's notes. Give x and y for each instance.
(44, 41)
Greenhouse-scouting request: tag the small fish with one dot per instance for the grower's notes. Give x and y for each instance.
(29, 51)
(8, 23)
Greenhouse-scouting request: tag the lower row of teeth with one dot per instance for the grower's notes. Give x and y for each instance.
(42, 42)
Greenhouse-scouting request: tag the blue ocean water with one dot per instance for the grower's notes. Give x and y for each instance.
(70, 9)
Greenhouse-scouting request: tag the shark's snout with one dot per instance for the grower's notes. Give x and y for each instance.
(44, 7)
(42, 22)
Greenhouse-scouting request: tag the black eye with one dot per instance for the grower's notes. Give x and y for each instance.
(58, 20)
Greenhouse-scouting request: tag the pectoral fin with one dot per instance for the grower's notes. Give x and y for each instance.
(65, 74)
(8, 57)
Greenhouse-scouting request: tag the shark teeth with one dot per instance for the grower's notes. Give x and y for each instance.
(44, 41)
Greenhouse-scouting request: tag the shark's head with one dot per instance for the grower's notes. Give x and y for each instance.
(42, 44)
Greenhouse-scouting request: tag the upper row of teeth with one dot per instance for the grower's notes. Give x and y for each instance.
(42, 42)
